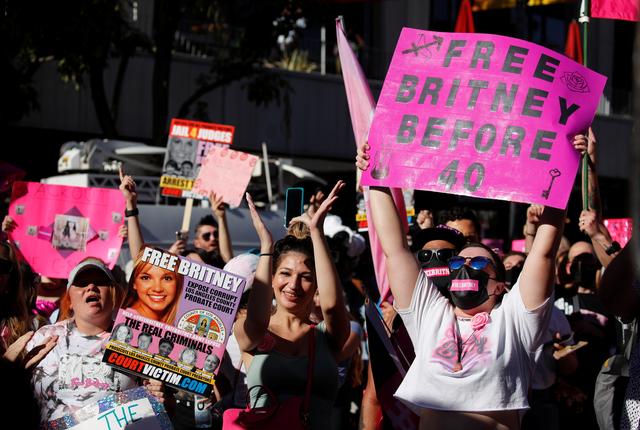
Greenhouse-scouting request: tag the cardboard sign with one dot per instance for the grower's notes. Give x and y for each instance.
(227, 173)
(186, 353)
(133, 409)
(481, 115)
(58, 225)
(620, 229)
(187, 146)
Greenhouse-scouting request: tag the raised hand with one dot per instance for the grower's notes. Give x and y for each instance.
(266, 240)
(317, 221)
(424, 219)
(127, 186)
(588, 223)
(217, 205)
(362, 158)
(585, 144)
(8, 224)
(314, 203)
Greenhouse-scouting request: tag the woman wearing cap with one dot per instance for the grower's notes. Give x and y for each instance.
(275, 343)
(73, 375)
(474, 356)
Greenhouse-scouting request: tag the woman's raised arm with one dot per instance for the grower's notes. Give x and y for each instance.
(250, 330)
(334, 310)
(402, 267)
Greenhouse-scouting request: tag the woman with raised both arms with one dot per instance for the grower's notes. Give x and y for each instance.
(474, 355)
(275, 343)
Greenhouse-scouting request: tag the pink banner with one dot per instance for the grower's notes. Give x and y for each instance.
(620, 229)
(481, 115)
(227, 173)
(58, 225)
(361, 109)
(628, 10)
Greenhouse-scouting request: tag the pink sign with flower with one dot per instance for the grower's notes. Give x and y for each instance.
(481, 115)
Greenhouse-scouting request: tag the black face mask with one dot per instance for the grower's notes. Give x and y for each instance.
(468, 287)
(511, 275)
(438, 272)
(583, 270)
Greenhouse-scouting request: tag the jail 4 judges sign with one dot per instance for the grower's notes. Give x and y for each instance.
(188, 144)
(481, 115)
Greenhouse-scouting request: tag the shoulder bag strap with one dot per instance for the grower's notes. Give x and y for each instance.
(312, 359)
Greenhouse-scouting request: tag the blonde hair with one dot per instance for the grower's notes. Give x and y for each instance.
(132, 295)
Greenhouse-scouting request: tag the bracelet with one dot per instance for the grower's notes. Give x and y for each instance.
(129, 213)
(524, 231)
(266, 254)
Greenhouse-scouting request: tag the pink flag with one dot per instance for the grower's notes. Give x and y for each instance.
(361, 108)
(628, 10)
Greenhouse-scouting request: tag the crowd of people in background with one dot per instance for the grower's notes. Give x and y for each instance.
(494, 339)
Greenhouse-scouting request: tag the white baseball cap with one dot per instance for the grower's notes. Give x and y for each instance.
(90, 263)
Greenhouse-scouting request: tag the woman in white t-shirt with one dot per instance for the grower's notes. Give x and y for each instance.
(72, 375)
(474, 357)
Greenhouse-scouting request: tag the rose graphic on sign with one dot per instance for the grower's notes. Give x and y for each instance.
(575, 82)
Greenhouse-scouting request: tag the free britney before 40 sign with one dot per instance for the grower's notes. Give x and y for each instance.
(481, 115)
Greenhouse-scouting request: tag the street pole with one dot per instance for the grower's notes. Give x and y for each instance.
(584, 20)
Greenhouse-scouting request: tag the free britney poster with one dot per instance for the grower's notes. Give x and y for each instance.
(177, 319)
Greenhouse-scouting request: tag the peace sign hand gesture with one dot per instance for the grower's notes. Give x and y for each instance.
(317, 220)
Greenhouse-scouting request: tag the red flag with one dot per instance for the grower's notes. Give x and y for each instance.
(628, 10)
(573, 47)
(464, 23)
(361, 108)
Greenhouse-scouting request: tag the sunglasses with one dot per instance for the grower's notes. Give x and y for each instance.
(477, 263)
(207, 236)
(426, 255)
(6, 267)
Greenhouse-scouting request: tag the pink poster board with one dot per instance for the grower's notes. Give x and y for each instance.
(227, 173)
(481, 115)
(518, 245)
(59, 225)
(620, 229)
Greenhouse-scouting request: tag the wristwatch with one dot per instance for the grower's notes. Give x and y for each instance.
(132, 212)
(613, 248)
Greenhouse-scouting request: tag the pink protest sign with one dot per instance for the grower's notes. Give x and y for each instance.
(58, 225)
(620, 229)
(227, 173)
(481, 115)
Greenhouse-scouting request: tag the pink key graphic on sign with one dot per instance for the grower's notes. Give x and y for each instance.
(481, 115)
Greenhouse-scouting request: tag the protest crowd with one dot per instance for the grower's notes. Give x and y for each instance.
(423, 325)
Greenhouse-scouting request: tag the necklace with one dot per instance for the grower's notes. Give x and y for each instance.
(460, 346)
